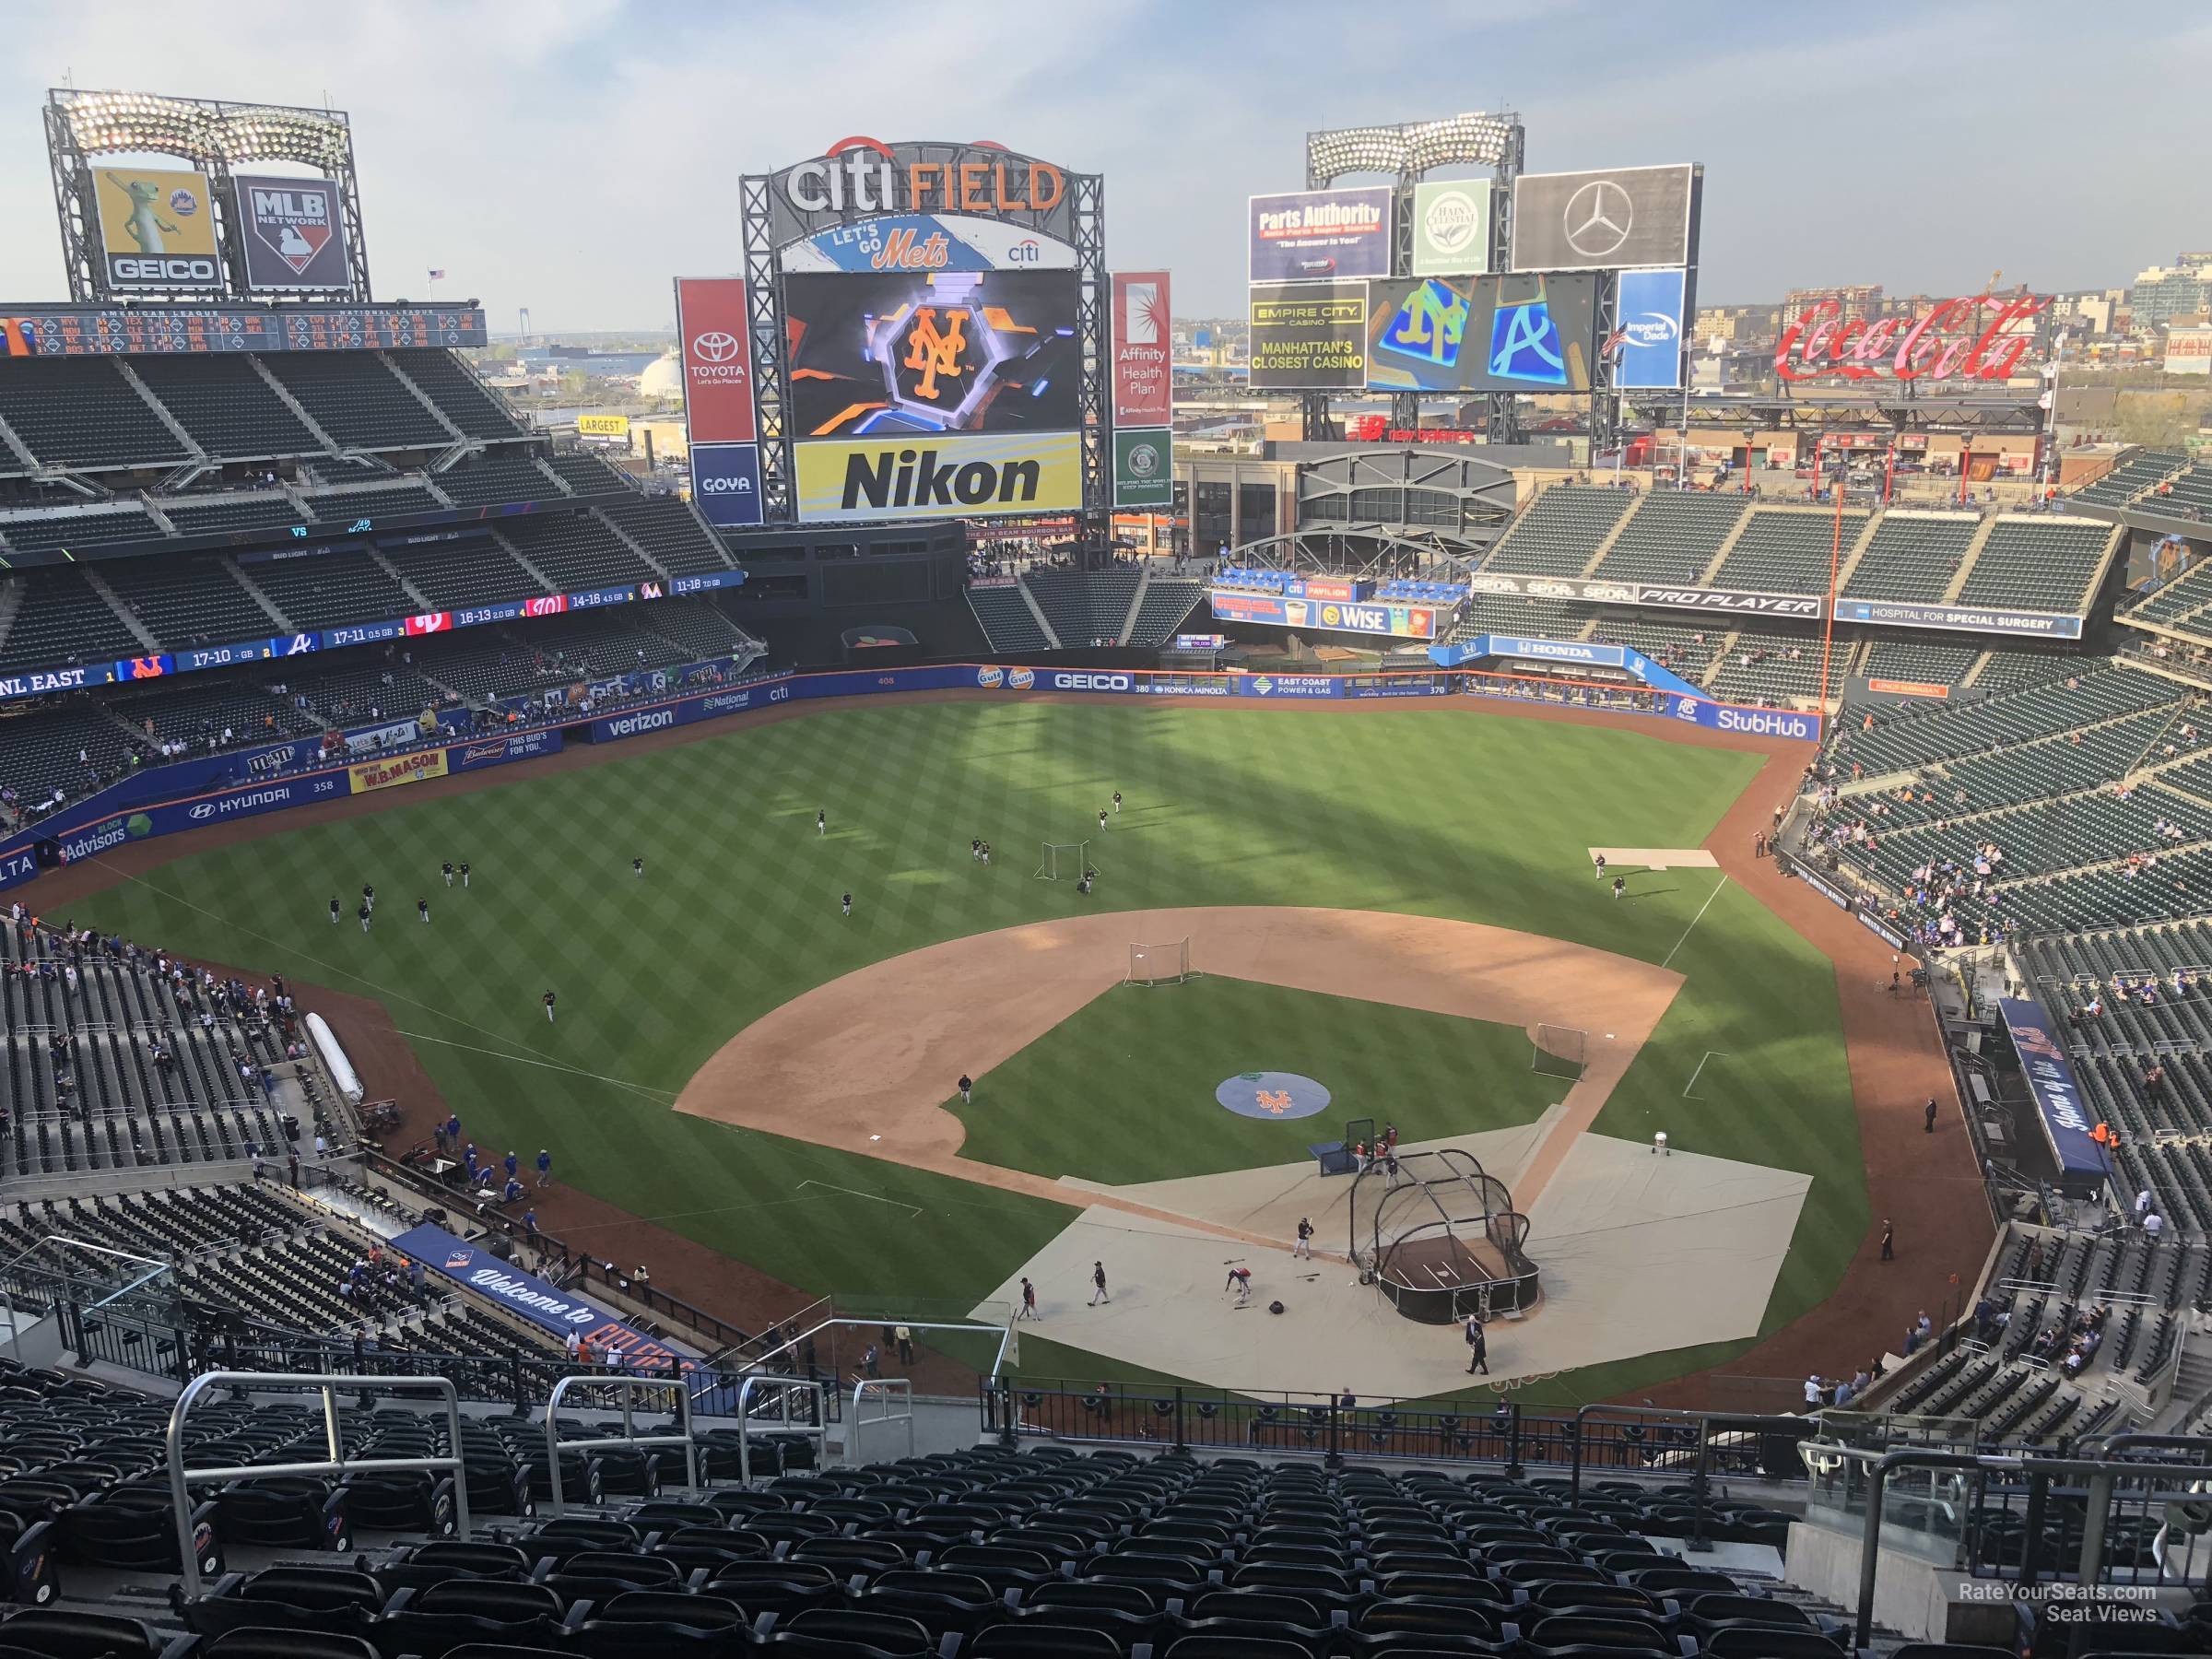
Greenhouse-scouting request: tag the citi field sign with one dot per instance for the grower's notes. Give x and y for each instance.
(859, 176)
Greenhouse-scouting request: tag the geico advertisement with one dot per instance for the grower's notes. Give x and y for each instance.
(157, 228)
(940, 477)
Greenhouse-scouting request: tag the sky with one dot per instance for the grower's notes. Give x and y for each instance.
(571, 156)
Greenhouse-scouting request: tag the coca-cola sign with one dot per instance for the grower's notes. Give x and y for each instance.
(1961, 339)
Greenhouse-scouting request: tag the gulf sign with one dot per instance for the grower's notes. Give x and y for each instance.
(716, 343)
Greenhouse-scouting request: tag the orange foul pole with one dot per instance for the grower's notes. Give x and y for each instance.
(1835, 559)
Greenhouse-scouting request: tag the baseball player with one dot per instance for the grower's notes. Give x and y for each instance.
(1621, 884)
(1240, 1280)
(363, 913)
(821, 821)
(1029, 1301)
(1102, 818)
(545, 1168)
(446, 870)
(1600, 861)
(1098, 1283)
(986, 853)
(847, 903)
(636, 868)
(369, 896)
(422, 909)
(1117, 801)
(464, 872)
(1304, 1247)
(548, 1007)
(966, 1086)
(333, 911)
(975, 850)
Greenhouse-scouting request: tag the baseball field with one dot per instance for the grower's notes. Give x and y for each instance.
(1381, 900)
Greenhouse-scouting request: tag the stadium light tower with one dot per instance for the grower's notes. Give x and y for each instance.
(1410, 152)
(209, 134)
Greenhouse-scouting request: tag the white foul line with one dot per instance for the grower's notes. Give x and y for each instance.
(1696, 919)
(876, 1197)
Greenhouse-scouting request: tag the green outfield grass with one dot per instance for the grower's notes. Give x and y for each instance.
(1124, 1092)
(1431, 812)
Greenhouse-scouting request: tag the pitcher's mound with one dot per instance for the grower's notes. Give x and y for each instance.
(1270, 1094)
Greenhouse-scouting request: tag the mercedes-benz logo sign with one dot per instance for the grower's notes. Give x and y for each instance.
(1597, 218)
(716, 347)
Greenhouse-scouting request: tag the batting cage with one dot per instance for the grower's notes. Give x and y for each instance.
(1440, 1237)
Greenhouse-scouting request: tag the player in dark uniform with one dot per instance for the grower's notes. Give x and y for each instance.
(548, 1007)
(821, 821)
(464, 872)
(1620, 885)
(975, 851)
(848, 904)
(1117, 800)
(422, 909)
(363, 914)
(636, 868)
(447, 870)
(369, 896)
(333, 911)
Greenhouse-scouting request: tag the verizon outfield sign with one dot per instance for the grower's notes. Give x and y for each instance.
(1982, 338)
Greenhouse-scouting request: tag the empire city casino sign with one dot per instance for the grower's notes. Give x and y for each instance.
(1982, 338)
(858, 176)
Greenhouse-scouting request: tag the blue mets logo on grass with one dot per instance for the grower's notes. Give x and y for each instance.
(1278, 1097)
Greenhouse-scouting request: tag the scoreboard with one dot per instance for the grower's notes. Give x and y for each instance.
(150, 330)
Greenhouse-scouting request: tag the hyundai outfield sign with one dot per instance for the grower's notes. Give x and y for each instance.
(1611, 220)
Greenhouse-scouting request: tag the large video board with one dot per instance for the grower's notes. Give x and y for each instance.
(1307, 335)
(1481, 333)
(877, 355)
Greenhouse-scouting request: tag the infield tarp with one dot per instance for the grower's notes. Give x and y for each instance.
(2083, 1166)
(526, 1296)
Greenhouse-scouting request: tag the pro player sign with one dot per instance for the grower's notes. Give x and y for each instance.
(294, 235)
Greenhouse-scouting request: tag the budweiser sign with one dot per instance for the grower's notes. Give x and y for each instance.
(1961, 339)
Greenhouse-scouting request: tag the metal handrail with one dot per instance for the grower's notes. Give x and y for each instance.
(181, 1478)
(2100, 1474)
(893, 1390)
(629, 1436)
(819, 1429)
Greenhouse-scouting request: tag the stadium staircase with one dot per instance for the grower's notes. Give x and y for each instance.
(606, 521)
(1966, 565)
(11, 600)
(1136, 604)
(545, 584)
(1605, 543)
(98, 585)
(1719, 557)
(161, 413)
(1021, 586)
(1855, 550)
(299, 410)
(239, 574)
(422, 397)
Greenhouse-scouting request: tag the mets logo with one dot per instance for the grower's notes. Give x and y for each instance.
(460, 1258)
(1021, 679)
(1263, 685)
(1273, 1102)
(988, 679)
(934, 351)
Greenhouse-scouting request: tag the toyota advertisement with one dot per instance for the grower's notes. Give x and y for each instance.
(1480, 334)
(945, 352)
(293, 234)
(1648, 310)
(720, 426)
(1319, 235)
(1609, 220)
(1308, 334)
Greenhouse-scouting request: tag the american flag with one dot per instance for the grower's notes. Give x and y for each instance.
(438, 275)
